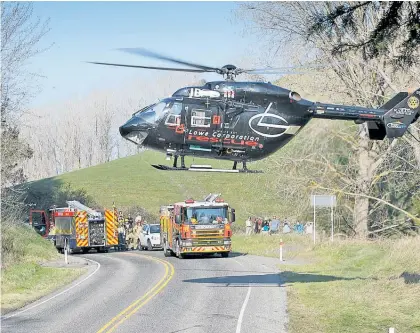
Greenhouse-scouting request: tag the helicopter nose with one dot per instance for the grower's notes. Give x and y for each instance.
(124, 130)
(135, 130)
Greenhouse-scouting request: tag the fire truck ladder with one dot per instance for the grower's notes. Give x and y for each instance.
(212, 196)
(80, 206)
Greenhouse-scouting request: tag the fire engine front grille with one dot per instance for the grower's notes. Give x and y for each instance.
(209, 237)
(207, 242)
(212, 233)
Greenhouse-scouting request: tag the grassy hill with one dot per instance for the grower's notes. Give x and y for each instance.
(132, 181)
(23, 277)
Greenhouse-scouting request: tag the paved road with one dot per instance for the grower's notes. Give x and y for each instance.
(146, 292)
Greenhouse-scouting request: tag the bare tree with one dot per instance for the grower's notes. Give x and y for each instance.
(20, 35)
(368, 83)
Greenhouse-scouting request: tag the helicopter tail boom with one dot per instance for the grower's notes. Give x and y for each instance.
(391, 120)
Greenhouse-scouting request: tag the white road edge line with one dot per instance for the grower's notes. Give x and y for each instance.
(64, 291)
(241, 314)
(238, 262)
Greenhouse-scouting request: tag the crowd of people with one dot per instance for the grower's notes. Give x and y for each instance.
(266, 225)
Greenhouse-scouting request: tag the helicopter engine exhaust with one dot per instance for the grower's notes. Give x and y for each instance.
(295, 96)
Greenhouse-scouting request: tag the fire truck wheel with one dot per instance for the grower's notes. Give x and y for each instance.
(225, 254)
(149, 245)
(178, 250)
(166, 252)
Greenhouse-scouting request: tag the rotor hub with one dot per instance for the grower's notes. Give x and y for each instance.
(230, 71)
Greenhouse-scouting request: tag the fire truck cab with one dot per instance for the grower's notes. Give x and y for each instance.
(197, 227)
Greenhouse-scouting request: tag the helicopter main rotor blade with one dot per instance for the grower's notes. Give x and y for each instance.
(151, 67)
(275, 72)
(268, 70)
(150, 54)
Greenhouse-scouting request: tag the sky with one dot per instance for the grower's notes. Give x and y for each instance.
(203, 32)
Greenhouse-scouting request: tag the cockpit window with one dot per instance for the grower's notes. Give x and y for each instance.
(174, 114)
(153, 112)
(176, 108)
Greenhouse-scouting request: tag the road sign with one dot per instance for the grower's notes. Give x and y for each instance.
(329, 201)
(323, 200)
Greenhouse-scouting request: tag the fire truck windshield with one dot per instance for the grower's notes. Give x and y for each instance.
(63, 225)
(205, 215)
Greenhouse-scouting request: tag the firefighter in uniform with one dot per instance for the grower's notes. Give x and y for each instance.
(132, 245)
(121, 236)
(136, 230)
(127, 233)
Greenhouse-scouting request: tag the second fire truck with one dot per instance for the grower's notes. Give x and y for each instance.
(197, 227)
(80, 228)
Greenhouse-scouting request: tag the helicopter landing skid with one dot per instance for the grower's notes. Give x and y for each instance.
(203, 168)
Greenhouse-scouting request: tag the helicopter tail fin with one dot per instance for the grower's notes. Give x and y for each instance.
(401, 115)
(402, 110)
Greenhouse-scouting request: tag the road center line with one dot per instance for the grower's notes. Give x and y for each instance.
(241, 314)
(61, 293)
(125, 314)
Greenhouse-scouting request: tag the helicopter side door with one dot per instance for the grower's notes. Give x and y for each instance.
(203, 122)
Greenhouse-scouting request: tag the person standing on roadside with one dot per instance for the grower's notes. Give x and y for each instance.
(248, 224)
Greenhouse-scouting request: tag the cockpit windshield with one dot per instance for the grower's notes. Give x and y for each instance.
(153, 113)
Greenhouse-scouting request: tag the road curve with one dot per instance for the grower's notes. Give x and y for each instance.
(145, 292)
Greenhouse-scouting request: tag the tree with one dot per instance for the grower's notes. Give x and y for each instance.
(397, 20)
(20, 35)
(356, 80)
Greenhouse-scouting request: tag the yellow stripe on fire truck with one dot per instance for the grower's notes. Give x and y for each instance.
(206, 249)
(82, 229)
(111, 225)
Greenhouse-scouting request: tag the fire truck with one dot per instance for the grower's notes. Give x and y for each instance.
(80, 228)
(197, 227)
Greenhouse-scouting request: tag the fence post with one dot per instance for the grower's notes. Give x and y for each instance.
(391, 330)
(281, 249)
(65, 250)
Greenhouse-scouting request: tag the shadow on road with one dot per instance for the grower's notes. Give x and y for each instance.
(410, 277)
(278, 279)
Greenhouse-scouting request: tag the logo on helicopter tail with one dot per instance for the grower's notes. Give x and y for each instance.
(268, 125)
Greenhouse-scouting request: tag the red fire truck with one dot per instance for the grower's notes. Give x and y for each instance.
(81, 230)
(78, 227)
(197, 227)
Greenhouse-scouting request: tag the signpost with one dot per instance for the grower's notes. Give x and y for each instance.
(281, 249)
(65, 251)
(324, 201)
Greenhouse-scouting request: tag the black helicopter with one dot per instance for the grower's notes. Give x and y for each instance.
(245, 121)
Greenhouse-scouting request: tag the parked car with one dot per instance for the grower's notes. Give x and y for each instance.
(150, 237)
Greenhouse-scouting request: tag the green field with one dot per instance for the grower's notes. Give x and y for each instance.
(23, 278)
(132, 181)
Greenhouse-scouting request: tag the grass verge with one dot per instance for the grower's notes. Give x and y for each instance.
(23, 279)
(347, 286)
(269, 246)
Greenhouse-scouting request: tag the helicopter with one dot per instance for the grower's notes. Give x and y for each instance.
(244, 121)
